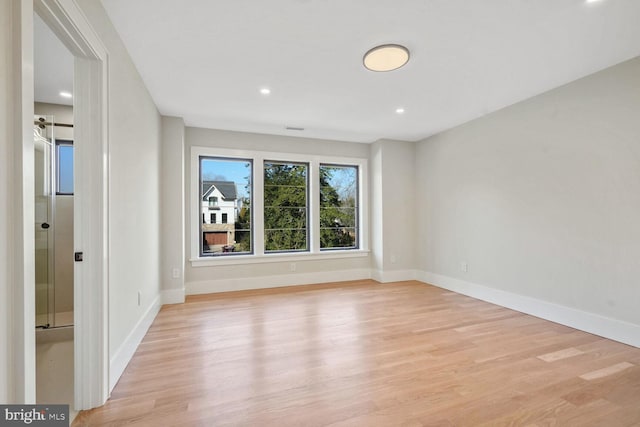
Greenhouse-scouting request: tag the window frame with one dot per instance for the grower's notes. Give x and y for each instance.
(259, 255)
(58, 144)
(198, 195)
(358, 224)
(307, 206)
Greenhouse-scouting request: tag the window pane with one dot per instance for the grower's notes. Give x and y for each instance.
(225, 189)
(65, 168)
(338, 207)
(285, 207)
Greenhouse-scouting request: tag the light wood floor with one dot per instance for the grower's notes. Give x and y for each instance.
(368, 354)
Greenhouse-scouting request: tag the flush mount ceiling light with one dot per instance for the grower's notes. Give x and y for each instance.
(65, 94)
(386, 57)
(265, 91)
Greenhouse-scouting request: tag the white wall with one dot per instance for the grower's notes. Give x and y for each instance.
(134, 190)
(232, 277)
(172, 213)
(542, 200)
(393, 210)
(63, 261)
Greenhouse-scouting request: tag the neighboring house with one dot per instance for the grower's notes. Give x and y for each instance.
(219, 215)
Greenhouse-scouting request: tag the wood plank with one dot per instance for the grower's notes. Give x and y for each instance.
(609, 370)
(560, 354)
(363, 353)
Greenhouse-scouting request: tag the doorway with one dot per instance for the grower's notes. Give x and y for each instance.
(54, 218)
(90, 201)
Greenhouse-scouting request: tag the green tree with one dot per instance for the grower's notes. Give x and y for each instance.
(285, 206)
(337, 214)
(243, 227)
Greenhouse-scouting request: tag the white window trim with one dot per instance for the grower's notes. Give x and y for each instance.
(259, 256)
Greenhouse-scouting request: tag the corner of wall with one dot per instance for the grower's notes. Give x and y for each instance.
(172, 223)
(173, 296)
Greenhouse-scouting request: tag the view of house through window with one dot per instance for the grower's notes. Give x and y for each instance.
(225, 194)
(338, 207)
(286, 216)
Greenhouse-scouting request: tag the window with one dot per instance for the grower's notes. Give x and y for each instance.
(64, 167)
(285, 207)
(225, 185)
(338, 206)
(270, 206)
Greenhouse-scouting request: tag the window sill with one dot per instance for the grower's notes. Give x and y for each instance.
(277, 257)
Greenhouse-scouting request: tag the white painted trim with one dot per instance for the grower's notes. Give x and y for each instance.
(20, 211)
(91, 205)
(276, 281)
(173, 296)
(617, 330)
(258, 158)
(278, 257)
(127, 349)
(388, 276)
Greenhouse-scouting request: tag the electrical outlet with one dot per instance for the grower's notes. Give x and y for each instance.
(393, 258)
(464, 267)
(175, 273)
(292, 266)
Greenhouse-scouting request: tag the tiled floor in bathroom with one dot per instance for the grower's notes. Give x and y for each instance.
(54, 367)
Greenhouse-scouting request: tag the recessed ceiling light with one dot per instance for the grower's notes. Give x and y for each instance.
(65, 94)
(399, 110)
(265, 91)
(387, 57)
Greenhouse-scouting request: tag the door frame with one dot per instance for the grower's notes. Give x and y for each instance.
(91, 198)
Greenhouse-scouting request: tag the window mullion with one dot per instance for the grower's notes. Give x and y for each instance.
(314, 206)
(258, 204)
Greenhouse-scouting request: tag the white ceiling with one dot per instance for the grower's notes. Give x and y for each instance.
(53, 65)
(205, 60)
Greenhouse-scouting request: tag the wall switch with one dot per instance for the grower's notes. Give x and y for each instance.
(292, 266)
(464, 267)
(139, 298)
(175, 273)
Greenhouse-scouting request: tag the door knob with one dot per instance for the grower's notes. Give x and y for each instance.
(45, 225)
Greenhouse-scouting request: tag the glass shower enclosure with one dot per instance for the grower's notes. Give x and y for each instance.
(51, 311)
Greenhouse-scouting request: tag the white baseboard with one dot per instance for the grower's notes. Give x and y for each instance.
(617, 330)
(173, 296)
(393, 275)
(125, 352)
(246, 283)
